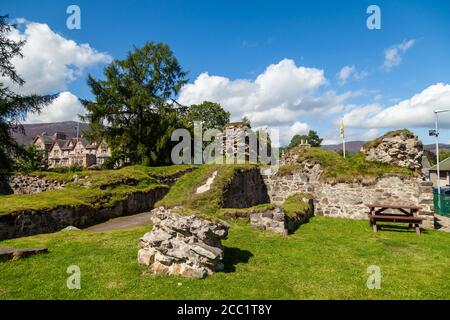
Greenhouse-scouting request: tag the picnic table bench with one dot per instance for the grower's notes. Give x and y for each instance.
(396, 213)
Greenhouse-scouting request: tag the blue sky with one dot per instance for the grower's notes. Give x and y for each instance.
(239, 40)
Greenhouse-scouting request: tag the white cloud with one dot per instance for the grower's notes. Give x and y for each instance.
(414, 112)
(66, 107)
(50, 62)
(393, 55)
(280, 88)
(350, 73)
(278, 98)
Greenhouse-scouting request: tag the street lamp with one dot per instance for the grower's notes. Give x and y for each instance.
(435, 133)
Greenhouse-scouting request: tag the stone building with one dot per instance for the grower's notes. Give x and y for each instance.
(63, 151)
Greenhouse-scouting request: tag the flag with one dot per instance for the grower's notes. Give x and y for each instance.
(341, 129)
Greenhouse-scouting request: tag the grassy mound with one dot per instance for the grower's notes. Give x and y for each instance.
(296, 204)
(105, 177)
(96, 189)
(245, 212)
(327, 259)
(183, 193)
(352, 168)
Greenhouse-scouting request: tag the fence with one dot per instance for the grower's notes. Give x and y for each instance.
(442, 205)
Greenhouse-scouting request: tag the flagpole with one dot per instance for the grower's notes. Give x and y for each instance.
(343, 145)
(342, 134)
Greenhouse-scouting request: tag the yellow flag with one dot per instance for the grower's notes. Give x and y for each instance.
(341, 129)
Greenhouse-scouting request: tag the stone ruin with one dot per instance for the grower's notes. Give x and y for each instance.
(183, 245)
(28, 184)
(239, 140)
(401, 148)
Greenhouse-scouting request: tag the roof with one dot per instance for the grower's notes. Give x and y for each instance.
(47, 139)
(59, 142)
(66, 145)
(444, 165)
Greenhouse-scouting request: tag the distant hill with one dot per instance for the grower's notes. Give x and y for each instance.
(68, 127)
(350, 146)
(35, 129)
(432, 147)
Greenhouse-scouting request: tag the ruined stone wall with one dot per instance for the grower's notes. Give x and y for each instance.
(277, 221)
(347, 200)
(30, 222)
(401, 148)
(247, 189)
(31, 184)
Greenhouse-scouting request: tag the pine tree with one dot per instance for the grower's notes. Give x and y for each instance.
(13, 106)
(135, 108)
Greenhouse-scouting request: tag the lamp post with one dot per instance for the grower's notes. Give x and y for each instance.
(435, 133)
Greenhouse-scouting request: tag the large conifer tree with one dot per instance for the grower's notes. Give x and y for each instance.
(13, 106)
(135, 108)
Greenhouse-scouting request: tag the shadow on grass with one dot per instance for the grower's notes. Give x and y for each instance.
(233, 256)
(396, 228)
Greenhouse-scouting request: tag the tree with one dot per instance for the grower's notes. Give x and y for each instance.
(135, 108)
(211, 114)
(312, 137)
(246, 121)
(32, 159)
(13, 106)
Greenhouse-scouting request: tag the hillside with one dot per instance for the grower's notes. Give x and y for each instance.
(34, 129)
(351, 146)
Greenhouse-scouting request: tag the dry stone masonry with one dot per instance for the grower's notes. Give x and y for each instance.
(245, 190)
(183, 245)
(347, 200)
(277, 221)
(401, 148)
(31, 184)
(30, 222)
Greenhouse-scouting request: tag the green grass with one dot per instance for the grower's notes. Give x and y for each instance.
(71, 196)
(326, 259)
(131, 173)
(102, 188)
(353, 168)
(240, 212)
(183, 193)
(295, 204)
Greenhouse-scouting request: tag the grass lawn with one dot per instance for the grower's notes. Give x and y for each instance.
(326, 258)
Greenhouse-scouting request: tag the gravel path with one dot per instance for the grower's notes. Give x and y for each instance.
(121, 223)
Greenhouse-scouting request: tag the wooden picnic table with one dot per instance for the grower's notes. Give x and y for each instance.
(397, 214)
